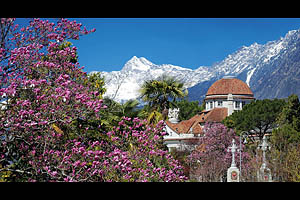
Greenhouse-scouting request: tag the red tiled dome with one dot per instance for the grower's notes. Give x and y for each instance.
(229, 86)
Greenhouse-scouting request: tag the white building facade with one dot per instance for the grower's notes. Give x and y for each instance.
(225, 96)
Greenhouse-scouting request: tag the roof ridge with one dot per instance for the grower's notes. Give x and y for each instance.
(227, 86)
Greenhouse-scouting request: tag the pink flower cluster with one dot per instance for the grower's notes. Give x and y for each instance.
(84, 160)
(211, 158)
(46, 95)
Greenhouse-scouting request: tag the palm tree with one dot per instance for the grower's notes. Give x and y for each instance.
(129, 108)
(115, 111)
(161, 94)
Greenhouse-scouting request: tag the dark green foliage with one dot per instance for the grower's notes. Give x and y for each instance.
(285, 142)
(188, 109)
(259, 116)
(289, 124)
(96, 82)
(291, 113)
(129, 109)
(115, 111)
(162, 93)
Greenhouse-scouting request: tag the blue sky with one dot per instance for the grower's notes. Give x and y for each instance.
(185, 42)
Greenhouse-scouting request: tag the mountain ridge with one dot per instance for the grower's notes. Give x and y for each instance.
(275, 65)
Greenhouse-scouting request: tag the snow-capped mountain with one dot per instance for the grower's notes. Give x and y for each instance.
(124, 85)
(272, 70)
(252, 58)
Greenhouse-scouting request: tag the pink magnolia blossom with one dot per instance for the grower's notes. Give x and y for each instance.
(48, 98)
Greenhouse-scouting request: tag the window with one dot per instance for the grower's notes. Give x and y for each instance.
(220, 103)
(243, 103)
(211, 104)
(237, 104)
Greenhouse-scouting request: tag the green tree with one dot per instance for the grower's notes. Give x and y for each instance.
(257, 116)
(188, 109)
(129, 108)
(115, 111)
(285, 153)
(285, 141)
(289, 124)
(161, 94)
(96, 81)
(292, 166)
(291, 113)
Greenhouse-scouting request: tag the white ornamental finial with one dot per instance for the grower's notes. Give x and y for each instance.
(173, 115)
(264, 146)
(232, 149)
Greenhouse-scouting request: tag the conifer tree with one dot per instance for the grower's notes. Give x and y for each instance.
(258, 116)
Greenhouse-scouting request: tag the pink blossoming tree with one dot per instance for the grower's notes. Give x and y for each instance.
(50, 121)
(210, 160)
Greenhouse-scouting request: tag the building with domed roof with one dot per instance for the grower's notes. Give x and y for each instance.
(223, 97)
(229, 93)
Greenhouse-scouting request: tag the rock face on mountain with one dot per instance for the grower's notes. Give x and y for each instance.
(124, 85)
(272, 70)
(281, 76)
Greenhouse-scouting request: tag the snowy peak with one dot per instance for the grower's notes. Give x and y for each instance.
(125, 84)
(142, 65)
(292, 34)
(137, 64)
